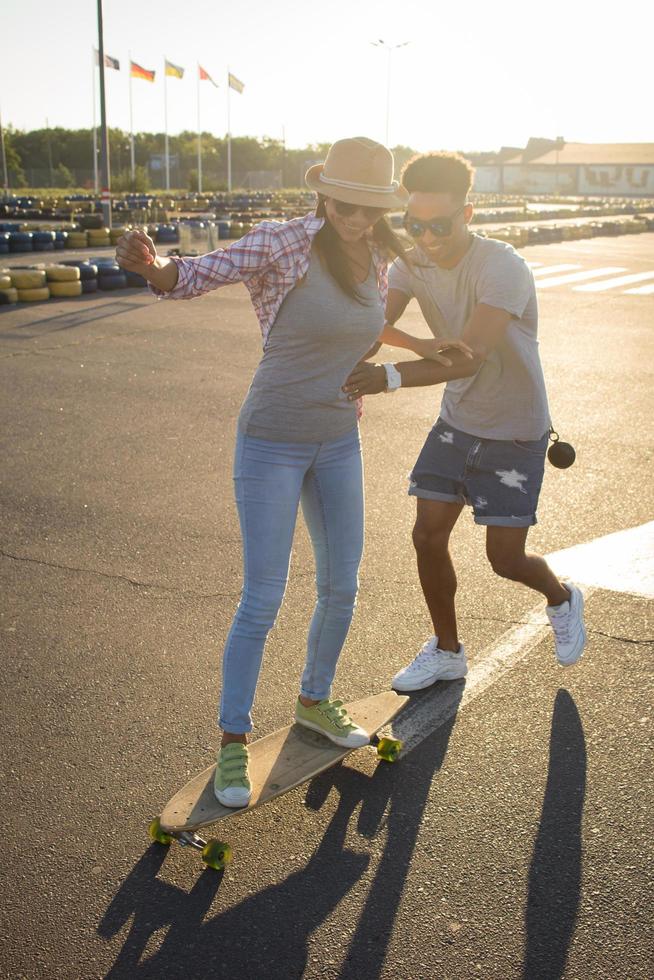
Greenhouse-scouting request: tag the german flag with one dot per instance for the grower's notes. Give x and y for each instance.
(137, 72)
(174, 70)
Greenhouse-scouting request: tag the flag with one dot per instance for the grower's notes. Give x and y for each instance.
(137, 72)
(234, 83)
(109, 62)
(174, 70)
(206, 77)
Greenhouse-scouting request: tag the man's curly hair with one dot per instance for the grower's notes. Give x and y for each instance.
(438, 173)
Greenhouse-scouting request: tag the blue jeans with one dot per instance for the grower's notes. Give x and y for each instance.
(499, 479)
(271, 479)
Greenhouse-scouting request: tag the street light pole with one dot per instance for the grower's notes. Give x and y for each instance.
(5, 172)
(104, 137)
(390, 48)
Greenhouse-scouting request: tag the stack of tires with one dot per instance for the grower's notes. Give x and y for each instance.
(20, 241)
(115, 234)
(88, 274)
(99, 237)
(8, 293)
(43, 241)
(110, 275)
(168, 234)
(60, 240)
(77, 239)
(4, 242)
(30, 284)
(63, 280)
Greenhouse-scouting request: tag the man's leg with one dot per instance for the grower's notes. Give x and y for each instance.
(435, 520)
(505, 548)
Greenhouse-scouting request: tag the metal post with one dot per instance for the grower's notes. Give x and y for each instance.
(199, 139)
(229, 140)
(166, 127)
(104, 135)
(5, 172)
(95, 124)
(131, 125)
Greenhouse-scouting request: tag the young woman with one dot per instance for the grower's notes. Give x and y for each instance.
(318, 285)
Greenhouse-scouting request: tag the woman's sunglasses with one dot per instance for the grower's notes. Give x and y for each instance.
(346, 210)
(439, 227)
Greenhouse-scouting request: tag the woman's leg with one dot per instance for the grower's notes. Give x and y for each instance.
(332, 503)
(268, 479)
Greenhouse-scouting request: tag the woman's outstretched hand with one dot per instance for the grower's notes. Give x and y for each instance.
(136, 251)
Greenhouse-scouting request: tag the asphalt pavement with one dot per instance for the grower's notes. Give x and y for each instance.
(513, 841)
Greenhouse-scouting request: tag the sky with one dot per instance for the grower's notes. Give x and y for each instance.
(474, 76)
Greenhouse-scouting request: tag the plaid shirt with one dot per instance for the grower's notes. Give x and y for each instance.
(269, 260)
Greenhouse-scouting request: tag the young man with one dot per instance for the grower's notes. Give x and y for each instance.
(487, 448)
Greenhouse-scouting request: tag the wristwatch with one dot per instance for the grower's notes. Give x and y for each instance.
(393, 378)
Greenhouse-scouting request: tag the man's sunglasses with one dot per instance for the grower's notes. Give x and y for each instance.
(346, 210)
(439, 227)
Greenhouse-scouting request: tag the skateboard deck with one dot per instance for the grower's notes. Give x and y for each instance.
(278, 763)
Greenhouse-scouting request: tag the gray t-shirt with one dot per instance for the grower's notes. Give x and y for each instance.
(317, 338)
(506, 398)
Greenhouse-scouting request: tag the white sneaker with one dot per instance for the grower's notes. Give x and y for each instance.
(431, 664)
(567, 621)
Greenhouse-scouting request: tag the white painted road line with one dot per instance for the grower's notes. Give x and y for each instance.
(424, 716)
(620, 562)
(534, 265)
(578, 276)
(549, 270)
(597, 287)
(641, 290)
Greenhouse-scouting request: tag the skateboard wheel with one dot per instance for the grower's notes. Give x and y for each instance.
(216, 854)
(158, 835)
(389, 749)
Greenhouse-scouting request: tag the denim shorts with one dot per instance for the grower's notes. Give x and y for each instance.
(499, 479)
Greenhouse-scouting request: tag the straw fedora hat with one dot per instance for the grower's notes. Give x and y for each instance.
(358, 171)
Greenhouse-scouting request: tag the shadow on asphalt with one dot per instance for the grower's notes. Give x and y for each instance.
(268, 934)
(66, 321)
(555, 871)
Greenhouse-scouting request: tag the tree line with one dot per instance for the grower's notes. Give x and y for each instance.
(62, 158)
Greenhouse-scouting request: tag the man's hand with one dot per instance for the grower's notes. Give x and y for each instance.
(365, 379)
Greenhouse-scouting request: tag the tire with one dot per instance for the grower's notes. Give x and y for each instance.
(76, 239)
(30, 279)
(62, 273)
(135, 280)
(8, 296)
(33, 295)
(86, 270)
(90, 285)
(5, 282)
(108, 283)
(73, 288)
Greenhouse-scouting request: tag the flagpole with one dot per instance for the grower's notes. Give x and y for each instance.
(131, 123)
(229, 140)
(166, 125)
(199, 139)
(104, 137)
(5, 172)
(95, 125)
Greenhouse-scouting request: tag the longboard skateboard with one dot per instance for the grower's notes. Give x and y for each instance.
(278, 763)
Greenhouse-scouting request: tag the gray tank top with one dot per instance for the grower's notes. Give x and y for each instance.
(318, 336)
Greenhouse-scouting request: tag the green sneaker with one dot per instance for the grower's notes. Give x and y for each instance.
(332, 720)
(231, 784)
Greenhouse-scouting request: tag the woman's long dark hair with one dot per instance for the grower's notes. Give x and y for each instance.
(335, 259)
